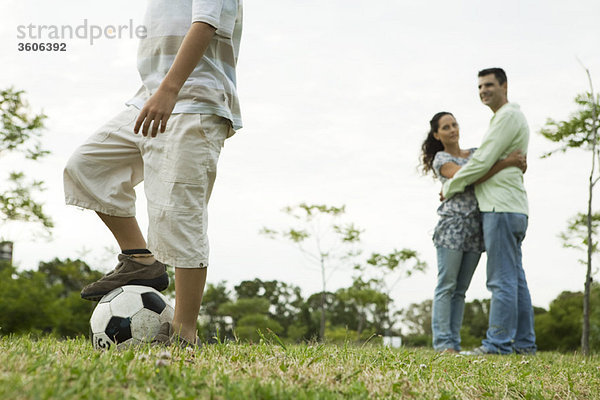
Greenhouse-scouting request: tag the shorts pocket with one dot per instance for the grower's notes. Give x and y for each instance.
(186, 153)
(184, 164)
(123, 119)
(192, 148)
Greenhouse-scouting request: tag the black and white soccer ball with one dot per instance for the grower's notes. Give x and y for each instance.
(129, 315)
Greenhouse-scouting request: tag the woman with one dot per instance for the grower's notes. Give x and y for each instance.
(458, 236)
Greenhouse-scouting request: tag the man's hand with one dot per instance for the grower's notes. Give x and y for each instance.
(156, 112)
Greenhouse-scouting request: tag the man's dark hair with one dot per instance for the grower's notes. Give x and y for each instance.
(498, 73)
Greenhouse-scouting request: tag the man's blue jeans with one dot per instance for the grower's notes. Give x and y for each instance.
(455, 270)
(511, 313)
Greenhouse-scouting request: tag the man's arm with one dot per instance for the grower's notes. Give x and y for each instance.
(159, 106)
(497, 140)
(514, 159)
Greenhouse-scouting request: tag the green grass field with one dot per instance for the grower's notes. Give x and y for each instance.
(48, 368)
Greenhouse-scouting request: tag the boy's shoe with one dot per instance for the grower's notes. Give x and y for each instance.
(478, 351)
(128, 272)
(167, 337)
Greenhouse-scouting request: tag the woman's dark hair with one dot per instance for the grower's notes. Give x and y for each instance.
(431, 145)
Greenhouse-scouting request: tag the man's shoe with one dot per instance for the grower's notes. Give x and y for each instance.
(167, 337)
(128, 272)
(478, 351)
(449, 350)
(527, 351)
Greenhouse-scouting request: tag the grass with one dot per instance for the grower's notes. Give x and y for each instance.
(48, 368)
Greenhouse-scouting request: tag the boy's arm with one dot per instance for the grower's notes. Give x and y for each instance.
(495, 143)
(159, 106)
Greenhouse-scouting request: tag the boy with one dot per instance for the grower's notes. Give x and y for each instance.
(170, 136)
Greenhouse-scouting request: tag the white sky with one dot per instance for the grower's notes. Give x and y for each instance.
(336, 98)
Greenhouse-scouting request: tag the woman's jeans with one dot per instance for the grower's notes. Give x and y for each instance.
(455, 270)
(511, 313)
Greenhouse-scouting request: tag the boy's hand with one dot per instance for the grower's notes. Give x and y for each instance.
(156, 111)
(159, 106)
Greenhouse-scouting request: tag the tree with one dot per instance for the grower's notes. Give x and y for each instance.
(475, 322)
(390, 269)
(364, 297)
(581, 131)
(214, 326)
(331, 244)
(417, 318)
(20, 132)
(285, 301)
(71, 275)
(250, 315)
(580, 230)
(46, 300)
(313, 314)
(560, 327)
(577, 234)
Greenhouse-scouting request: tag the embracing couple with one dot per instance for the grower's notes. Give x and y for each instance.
(484, 208)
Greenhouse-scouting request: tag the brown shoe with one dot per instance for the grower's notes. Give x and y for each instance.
(128, 272)
(167, 337)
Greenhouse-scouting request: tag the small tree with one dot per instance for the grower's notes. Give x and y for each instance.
(322, 239)
(285, 300)
(389, 269)
(20, 132)
(581, 131)
(250, 316)
(365, 298)
(214, 325)
(417, 318)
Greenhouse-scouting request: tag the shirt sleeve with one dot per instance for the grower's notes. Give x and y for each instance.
(441, 158)
(498, 139)
(208, 11)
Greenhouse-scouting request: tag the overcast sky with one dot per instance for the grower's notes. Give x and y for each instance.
(336, 98)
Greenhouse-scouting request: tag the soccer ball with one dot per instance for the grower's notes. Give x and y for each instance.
(129, 315)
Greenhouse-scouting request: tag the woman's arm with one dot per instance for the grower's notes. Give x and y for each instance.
(449, 169)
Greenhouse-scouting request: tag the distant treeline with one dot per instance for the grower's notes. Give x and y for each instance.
(47, 301)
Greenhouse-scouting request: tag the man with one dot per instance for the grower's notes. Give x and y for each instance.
(504, 209)
(170, 136)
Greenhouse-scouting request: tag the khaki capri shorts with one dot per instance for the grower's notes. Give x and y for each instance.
(178, 168)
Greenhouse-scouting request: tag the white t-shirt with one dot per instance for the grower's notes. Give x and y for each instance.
(211, 87)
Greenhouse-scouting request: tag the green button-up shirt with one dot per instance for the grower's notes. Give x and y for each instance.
(505, 191)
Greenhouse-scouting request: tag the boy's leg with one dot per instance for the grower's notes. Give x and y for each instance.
(179, 174)
(188, 298)
(128, 234)
(101, 175)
